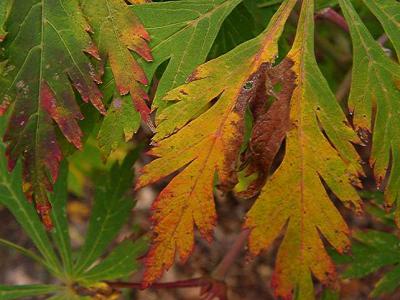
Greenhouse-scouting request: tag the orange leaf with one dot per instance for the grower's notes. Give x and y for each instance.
(199, 138)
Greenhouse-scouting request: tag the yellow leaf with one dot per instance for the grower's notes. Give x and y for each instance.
(295, 197)
(200, 136)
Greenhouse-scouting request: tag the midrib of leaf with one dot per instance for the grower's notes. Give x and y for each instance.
(40, 86)
(82, 265)
(60, 234)
(300, 114)
(64, 251)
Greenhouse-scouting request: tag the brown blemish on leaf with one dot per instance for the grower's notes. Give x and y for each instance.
(270, 124)
(44, 212)
(93, 51)
(247, 95)
(198, 138)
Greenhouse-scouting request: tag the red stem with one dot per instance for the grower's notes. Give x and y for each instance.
(333, 16)
(218, 274)
(195, 282)
(223, 267)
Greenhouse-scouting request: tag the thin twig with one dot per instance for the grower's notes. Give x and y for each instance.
(228, 260)
(211, 287)
(189, 283)
(331, 15)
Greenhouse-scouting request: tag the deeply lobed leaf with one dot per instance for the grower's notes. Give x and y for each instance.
(109, 213)
(36, 80)
(310, 161)
(117, 32)
(198, 138)
(375, 95)
(12, 197)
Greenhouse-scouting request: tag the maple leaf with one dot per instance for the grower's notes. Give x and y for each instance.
(375, 94)
(46, 42)
(199, 138)
(295, 197)
(117, 30)
(182, 33)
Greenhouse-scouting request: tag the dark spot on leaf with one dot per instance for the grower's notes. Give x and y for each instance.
(248, 85)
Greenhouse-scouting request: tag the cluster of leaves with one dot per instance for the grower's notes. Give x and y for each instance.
(200, 125)
(41, 68)
(374, 251)
(81, 273)
(202, 134)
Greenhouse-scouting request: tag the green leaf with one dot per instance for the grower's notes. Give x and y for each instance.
(319, 3)
(182, 33)
(388, 13)
(60, 233)
(4, 10)
(117, 30)
(22, 291)
(45, 47)
(110, 211)
(13, 198)
(23, 251)
(121, 122)
(388, 283)
(121, 262)
(371, 251)
(375, 77)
